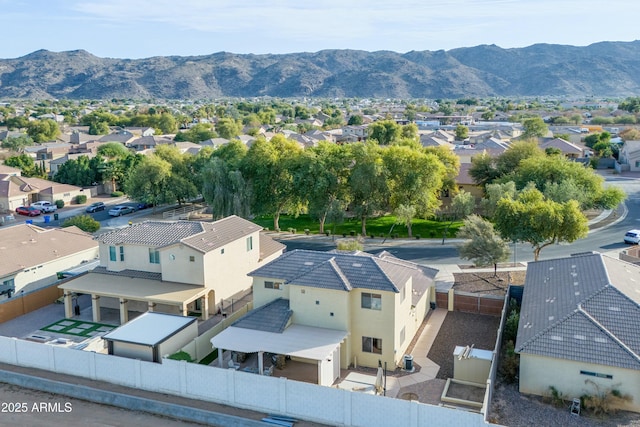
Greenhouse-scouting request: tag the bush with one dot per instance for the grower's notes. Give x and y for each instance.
(81, 199)
(556, 397)
(352, 233)
(84, 222)
(117, 194)
(417, 237)
(59, 204)
(510, 363)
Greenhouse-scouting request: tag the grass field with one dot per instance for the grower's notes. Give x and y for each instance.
(380, 226)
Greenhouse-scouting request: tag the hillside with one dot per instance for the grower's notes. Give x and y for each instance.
(601, 69)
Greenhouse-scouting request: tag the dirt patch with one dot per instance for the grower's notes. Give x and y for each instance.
(466, 392)
(487, 283)
(462, 329)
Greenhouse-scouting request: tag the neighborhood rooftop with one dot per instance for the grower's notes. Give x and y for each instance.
(585, 308)
(201, 236)
(346, 271)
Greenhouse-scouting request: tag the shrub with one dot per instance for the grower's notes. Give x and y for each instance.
(117, 194)
(59, 204)
(306, 231)
(84, 222)
(181, 355)
(510, 363)
(327, 233)
(352, 233)
(81, 199)
(417, 237)
(604, 401)
(556, 397)
(350, 244)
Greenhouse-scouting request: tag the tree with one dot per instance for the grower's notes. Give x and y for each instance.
(462, 205)
(462, 132)
(198, 133)
(225, 189)
(367, 182)
(182, 177)
(321, 175)
(228, 128)
(82, 171)
(98, 128)
(43, 130)
(113, 150)
(149, 181)
(384, 131)
(85, 223)
(451, 163)
(18, 122)
(509, 161)
(534, 127)
(267, 166)
(485, 246)
(355, 120)
(17, 143)
(493, 193)
(483, 170)
(404, 215)
(540, 222)
(409, 131)
(585, 185)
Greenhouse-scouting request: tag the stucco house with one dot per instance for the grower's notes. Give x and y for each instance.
(630, 155)
(16, 190)
(579, 326)
(174, 267)
(567, 148)
(347, 308)
(31, 256)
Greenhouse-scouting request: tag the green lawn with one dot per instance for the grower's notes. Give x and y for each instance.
(375, 226)
(79, 328)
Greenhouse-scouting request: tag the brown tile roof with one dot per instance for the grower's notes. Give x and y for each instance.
(268, 246)
(23, 246)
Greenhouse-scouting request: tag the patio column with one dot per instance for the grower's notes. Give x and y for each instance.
(184, 309)
(261, 362)
(205, 307)
(68, 310)
(124, 311)
(151, 306)
(95, 307)
(221, 357)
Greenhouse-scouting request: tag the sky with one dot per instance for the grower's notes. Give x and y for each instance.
(146, 28)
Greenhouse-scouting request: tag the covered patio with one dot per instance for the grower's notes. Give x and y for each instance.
(297, 341)
(124, 289)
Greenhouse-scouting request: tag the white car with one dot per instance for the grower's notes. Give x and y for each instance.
(632, 236)
(43, 206)
(121, 210)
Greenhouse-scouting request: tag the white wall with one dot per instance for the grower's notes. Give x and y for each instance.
(227, 386)
(537, 373)
(177, 341)
(133, 351)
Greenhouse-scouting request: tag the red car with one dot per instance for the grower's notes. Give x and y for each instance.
(28, 211)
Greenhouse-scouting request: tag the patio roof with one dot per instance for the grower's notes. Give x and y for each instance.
(297, 340)
(133, 288)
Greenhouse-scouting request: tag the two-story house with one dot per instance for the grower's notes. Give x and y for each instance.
(174, 267)
(345, 308)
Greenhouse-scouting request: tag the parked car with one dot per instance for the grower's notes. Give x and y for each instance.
(121, 210)
(142, 205)
(44, 206)
(95, 207)
(632, 236)
(28, 211)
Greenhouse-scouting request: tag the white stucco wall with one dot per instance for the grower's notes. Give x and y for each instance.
(179, 340)
(133, 351)
(176, 265)
(538, 373)
(320, 308)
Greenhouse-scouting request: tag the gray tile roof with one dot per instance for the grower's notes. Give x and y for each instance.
(134, 274)
(572, 309)
(271, 317)
(202, 236)
(345, 271)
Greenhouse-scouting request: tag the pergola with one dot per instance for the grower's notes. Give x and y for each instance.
(130, 288)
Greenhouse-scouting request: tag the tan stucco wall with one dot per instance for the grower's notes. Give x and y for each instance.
(538, 373)
(44, 274)
(302, 300)
(176, 265)
(262, 296)
(375, 324)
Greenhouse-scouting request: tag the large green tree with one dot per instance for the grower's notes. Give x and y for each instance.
(538, 221)
(268, 166)
(228, 128)
(485, 246)
(368, 185)
(17, 143)
(149, 182)
(534, 127)
(43, 130)
(385, 131)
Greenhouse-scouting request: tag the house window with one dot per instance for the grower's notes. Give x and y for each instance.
(596, 374)
(371, 301)
(222, 251)
(372, 345)
(121, 253)
(272, 285)
(112, 253)
(638, 163)
(249, 243)
(154, 256)
(192, 258)
(402, 335)
(8, 287)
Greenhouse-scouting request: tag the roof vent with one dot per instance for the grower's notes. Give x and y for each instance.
(356, 264)
(550, 268)
(612, 308)
(600, 339)
(576, 293)
(575, 283)
(551, 318)
(580, 337)
(556, 337)
(308, 263)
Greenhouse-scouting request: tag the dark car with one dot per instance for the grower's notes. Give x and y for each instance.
(28, 211)
(142, 205)
(95, 207)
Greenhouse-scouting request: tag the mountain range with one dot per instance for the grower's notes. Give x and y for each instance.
(601, 69)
